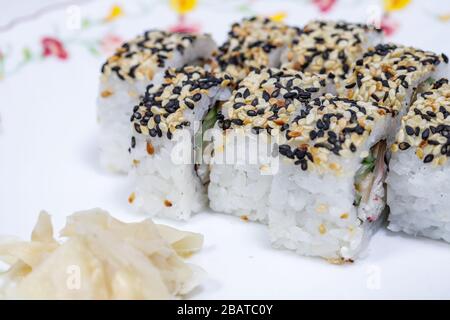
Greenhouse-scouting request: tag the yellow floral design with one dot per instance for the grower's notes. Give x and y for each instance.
(394, 5)
(444, 17)
(279, 16)
(114, 13)
(183, 6)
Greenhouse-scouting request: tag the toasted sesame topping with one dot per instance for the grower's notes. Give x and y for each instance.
(266, 99)
(106, 93)
(322, 229)
(167, 203)
(330, 125)
(150, 148)
(426, 126)
(250, 43)
(141, 57)
(386, 72)
(161, 111)
(328, 47)
(131, 198)
(244, 218)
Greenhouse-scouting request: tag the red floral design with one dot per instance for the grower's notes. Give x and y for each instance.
(324, 6)
(110, 43)
(184, 27)
(53, 47)
(388, 25)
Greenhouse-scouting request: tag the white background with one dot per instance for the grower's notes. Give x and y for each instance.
(48, 160)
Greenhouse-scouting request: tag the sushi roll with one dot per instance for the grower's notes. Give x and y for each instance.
(254, 42)
(418, 181)
(126, 74)
(252, 119)
(328, 196)
(389, 75)
(165, 123)
(330, 48)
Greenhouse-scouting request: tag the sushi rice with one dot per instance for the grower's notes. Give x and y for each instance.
(418, 181)
(254, 42)
(162, 146)
(328, 195)
(127, 73)
(330, 48)
(252, 120)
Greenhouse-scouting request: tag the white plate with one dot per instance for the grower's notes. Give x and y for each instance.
(48, 160)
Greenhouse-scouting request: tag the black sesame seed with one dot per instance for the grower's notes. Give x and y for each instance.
(320, 133)
(284, 149)
(312, 89)
(257, 130)
(409, 130)
(404, 145)
(159, 132)
(320, 124)
(431, 114)
(405, 84)
(323, 145)
(425, 134)
(137, 127)
(133, 142)
(290, 95)
(300, 153)
(189, 104)
(359, 130)
(197, 97)
(251, 113)
(177, 90)
(304, 165)
(428, 158)
(226, 124)
(305, 95)
(237, 105)
(359, 82)
(103, 67)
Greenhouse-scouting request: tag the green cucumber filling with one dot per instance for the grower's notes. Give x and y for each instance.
(208, 122)
(365, 175)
